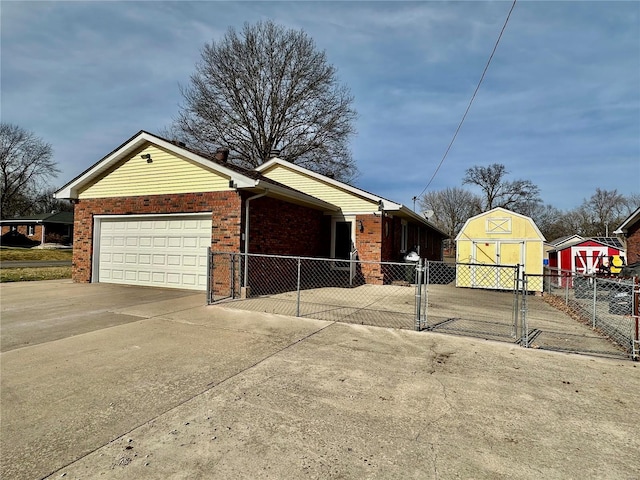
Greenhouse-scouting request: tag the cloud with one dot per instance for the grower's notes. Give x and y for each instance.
(559, 105)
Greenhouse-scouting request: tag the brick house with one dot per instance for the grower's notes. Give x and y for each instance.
(146, 213)
(630, 230)
(54, 227)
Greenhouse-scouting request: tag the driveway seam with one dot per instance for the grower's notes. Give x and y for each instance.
(209, 387)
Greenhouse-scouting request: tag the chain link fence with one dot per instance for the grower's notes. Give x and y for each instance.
(605, 311)
(556, 310)
(369, 293)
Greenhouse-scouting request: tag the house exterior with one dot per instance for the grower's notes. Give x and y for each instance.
(498, 237)
(146, 213)
(54, 227)
(630, 230)
(588, 255)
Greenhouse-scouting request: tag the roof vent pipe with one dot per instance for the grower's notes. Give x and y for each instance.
(221, 155)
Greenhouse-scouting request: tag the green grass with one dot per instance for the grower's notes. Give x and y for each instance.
(34, 274)
(8, 254)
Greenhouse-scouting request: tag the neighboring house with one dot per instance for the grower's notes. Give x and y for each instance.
(146, 213)
(498, 237)
(55, 227)
(630, 229)
(587, 255)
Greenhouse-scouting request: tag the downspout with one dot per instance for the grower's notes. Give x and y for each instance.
(246, 233)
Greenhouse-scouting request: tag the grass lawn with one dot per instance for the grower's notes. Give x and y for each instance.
(32, 274)
(8, 254)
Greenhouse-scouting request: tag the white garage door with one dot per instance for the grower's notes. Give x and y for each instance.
(161, 251)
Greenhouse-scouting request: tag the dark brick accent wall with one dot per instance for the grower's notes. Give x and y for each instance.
(225, 234)
(633, 243)
(277, 227)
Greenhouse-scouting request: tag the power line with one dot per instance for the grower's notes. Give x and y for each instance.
(471, 101)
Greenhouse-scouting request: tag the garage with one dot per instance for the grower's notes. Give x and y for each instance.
(152, 250)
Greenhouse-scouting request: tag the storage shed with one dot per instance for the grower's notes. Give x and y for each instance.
(588, 255)
(497, 238)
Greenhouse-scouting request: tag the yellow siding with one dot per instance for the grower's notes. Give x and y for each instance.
(347, 201)
(167, 174)
(515, 238)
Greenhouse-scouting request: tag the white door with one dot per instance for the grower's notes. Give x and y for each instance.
(162, 251)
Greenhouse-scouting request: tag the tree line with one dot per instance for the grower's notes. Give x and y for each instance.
(597, 216)
(268, 88)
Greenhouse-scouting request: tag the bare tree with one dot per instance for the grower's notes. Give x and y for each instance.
(26, 165)
(451, 208)
(516, 195)
(268, 88)
(605, 208)
(633, 202)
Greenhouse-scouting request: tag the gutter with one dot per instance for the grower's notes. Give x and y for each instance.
(246, 233)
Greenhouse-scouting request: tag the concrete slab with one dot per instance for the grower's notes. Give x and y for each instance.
(208, 392)
(38, 312)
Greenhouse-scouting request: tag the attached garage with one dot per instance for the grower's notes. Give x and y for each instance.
(153, 250)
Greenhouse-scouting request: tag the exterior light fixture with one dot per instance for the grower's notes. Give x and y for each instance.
(147, 157)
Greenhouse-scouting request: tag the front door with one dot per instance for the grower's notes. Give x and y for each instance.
(342, 243)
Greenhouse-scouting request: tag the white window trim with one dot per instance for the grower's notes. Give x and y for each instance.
(31, 230)
(334, 220)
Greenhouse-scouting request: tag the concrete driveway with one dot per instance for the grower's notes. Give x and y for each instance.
(106, 381)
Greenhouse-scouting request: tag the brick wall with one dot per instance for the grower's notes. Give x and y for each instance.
(23, 230)
(633, 244)
(225, 234)
(369, 246)
(277, 227)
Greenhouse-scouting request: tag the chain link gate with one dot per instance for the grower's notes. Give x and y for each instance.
(473, 299)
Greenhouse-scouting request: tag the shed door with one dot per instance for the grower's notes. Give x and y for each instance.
(485, 275)
(162, 251)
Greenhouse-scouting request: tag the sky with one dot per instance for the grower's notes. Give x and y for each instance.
(559, 105)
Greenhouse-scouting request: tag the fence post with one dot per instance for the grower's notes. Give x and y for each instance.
(567, 281)
(635, 310)
(232, 273)
(209, 274)
(418, 280)
(426, 294)
(595, 294)
(298, 290)
(525, 328)
(516, 305)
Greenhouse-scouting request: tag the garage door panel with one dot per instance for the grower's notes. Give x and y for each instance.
(169, 252)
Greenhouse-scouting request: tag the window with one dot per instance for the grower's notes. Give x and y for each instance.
(31, 230)
(14, 228)
(404, 233)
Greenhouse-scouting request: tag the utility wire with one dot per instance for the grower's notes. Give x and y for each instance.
(470, 102)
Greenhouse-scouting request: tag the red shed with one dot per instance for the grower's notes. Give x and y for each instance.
(588, 255)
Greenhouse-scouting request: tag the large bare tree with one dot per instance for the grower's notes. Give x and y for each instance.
(268, 88)
(451, 208)
(26, 164)
(520, 196)
(606, 209)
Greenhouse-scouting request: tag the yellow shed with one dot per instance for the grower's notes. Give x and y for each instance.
(493, 241)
